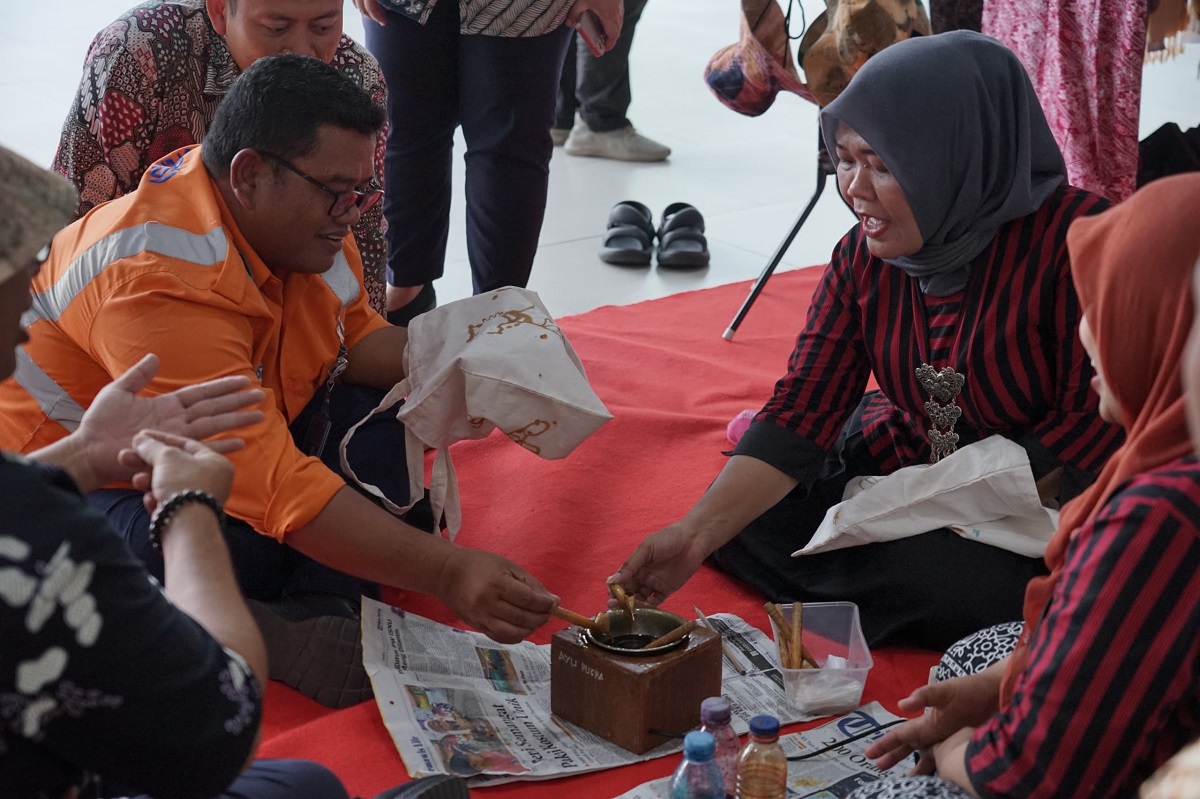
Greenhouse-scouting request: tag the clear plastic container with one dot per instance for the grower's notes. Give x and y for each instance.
(715, 716)
(761, 765)
(698, 776)
(833, 636)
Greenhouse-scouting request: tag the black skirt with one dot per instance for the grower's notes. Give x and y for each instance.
(928, 590)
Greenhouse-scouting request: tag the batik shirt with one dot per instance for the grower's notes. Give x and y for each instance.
(100, 675)
(151, 84)
(508, 18)
(1011, 332)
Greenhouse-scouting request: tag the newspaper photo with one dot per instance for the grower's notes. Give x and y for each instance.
(457, 702)
(830, 775)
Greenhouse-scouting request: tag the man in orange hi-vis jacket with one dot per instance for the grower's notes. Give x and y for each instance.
(235, 258)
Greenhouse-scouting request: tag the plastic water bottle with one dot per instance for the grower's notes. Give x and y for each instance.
(697, 776)
(714, 719)
(762, 766)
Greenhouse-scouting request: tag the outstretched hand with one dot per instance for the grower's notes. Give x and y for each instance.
(494, 595)
(198, 412)
(950, 706)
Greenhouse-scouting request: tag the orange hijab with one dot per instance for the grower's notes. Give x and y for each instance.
(1132, 268)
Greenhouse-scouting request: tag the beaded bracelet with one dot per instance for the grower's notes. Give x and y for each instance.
(164, 512)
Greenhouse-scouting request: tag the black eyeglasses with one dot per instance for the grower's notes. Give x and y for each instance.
(343, 201)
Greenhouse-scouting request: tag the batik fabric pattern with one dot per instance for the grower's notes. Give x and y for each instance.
(508, 18)
(1085, 61)
(152, 81)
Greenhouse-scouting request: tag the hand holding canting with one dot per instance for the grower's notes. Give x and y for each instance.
(494, 595)
(662, 563)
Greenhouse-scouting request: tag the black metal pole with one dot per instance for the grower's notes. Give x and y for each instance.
(823, 173)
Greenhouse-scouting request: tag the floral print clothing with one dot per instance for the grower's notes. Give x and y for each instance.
(151, 84)
(1085, 61)
(100, 675)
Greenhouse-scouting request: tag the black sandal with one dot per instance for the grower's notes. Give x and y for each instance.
(630, 233)
(681, 242)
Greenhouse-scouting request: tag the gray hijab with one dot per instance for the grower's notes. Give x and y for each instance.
(955, 119)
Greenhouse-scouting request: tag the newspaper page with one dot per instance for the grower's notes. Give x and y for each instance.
(456, 702)
(831, 775)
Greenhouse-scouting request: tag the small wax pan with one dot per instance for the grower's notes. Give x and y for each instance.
(648, 625)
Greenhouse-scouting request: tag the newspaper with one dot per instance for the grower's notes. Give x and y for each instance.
(832, 775)
(456, 702)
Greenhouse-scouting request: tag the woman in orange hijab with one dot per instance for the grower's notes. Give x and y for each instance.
(1103, 685)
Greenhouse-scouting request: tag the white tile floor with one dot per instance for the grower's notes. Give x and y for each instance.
(750, 177)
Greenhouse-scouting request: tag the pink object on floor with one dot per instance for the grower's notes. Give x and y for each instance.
(738, 425)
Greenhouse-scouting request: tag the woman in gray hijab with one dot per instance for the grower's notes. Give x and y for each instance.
(953, 292)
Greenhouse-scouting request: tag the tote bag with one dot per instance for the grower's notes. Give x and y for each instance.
(493, 361)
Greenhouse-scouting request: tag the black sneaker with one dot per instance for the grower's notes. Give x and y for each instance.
(314, 644)
(441, 786)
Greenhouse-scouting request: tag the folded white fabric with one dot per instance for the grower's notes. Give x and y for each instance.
(495, 360)
(984, 491)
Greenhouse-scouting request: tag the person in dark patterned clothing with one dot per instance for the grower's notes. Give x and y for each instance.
(490, 67)
(152, 81)
(958, 272)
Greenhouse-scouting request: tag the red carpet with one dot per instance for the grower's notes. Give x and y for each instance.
(672, 384)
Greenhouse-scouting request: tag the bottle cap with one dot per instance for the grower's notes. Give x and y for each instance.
(698, 746)
(764, 726)
(715, 710)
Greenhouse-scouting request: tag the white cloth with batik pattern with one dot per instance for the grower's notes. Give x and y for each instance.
(495, 360)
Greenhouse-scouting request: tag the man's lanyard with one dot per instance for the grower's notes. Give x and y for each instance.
(322, 420)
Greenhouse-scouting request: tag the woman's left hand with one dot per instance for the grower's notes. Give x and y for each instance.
(950, 706)
(118, 413)
(610, 13)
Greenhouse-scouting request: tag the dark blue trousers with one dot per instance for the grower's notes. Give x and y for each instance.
(598, 87)
(267, 569)
(502, 92)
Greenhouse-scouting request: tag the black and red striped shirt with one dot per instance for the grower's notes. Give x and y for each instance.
(1112, 687)
(1011, 331)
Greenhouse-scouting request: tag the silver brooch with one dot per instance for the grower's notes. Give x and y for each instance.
(943, 386)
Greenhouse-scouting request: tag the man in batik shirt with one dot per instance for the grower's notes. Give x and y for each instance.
(152, 81)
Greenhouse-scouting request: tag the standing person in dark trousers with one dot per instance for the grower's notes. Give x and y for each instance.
(593, 97)
(491, 66)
